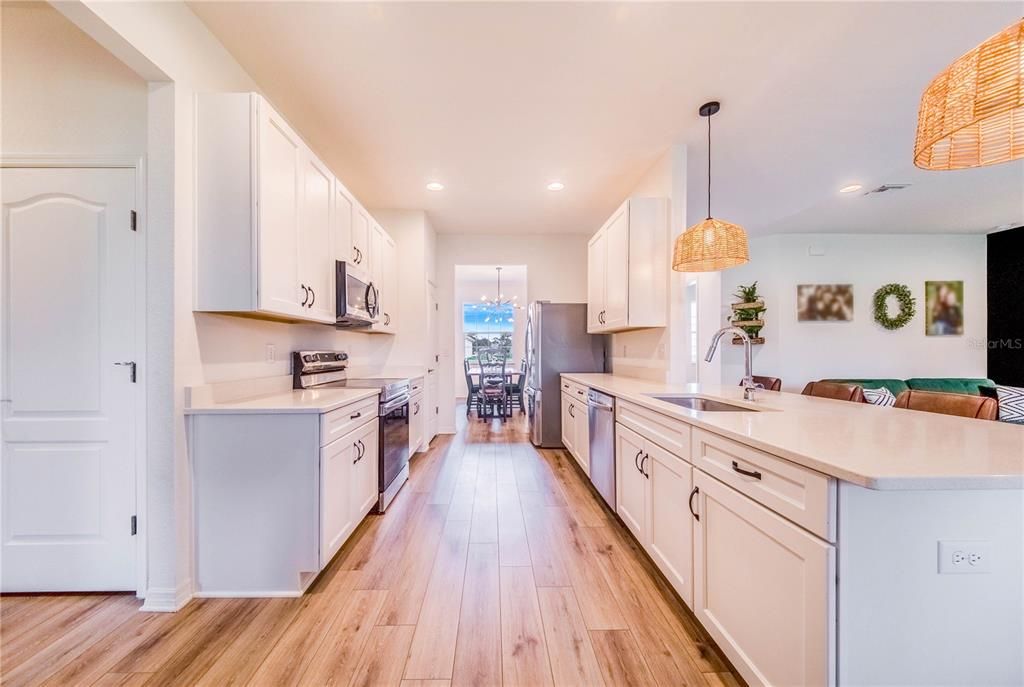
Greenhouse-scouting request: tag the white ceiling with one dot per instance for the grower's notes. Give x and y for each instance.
(497, 99)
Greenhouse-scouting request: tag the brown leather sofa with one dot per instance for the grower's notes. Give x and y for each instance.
(980, 407)
(839, 392)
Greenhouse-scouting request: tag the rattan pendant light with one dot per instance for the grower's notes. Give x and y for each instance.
(710, 245)
(972, 114)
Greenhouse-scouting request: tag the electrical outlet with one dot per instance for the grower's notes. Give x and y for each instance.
(965, 557)
(271, 353)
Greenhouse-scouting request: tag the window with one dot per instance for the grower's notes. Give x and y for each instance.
(488, 328)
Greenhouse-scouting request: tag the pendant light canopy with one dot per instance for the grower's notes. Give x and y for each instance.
(712, 244)
(972, 114)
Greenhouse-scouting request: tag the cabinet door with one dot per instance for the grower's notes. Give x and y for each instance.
(417, 416)
(596, 264)
(630, 483)
(280, 191)
(364, 473)
(616, 294)
(669, 521)
(344, 214)
(336, 512)
(376, 264)
(763, 588)
(568, 425)
(431, 398)
(316, 268)
(581, 440)
(387, 287)
(360, 255)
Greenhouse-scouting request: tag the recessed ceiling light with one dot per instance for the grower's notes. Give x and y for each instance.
(435, 186)
(852, 188)
(556, 186)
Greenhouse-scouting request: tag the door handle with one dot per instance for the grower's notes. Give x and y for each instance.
(748, 473)
(696, 490)
(306, 297)
(313, 294)
(130, 364)
(636, 459)
(642, 463)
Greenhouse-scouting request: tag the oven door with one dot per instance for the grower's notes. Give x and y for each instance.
(356, 300)
(394, 448)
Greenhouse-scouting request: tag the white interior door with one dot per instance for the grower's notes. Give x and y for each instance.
(68, 469)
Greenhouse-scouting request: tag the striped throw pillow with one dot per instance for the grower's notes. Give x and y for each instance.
(1011, 404)
(880, 397)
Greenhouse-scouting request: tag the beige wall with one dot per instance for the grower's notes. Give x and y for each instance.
(61, 93)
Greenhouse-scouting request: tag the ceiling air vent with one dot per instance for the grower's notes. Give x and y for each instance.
(886, 187)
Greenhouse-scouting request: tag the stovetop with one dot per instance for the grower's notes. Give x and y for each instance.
(326, 370)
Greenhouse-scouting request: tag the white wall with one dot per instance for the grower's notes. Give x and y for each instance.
(166, 41)
(556, 266)
(803, 351)
(468, 289)
(61, 92)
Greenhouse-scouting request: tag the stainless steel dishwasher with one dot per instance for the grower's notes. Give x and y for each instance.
(601, 421)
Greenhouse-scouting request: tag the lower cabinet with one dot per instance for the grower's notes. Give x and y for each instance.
(576, 431)
(763, 588)
(417, 422)
(345, 473)
(652, 490)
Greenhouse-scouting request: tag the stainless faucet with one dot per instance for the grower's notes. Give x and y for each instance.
(749, 387)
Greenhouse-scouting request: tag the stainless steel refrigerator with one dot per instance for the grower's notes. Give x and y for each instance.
(556, 342)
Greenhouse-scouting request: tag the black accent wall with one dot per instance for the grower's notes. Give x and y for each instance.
(1006, 307)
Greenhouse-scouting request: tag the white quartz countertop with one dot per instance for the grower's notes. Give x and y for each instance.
(290, 401)
(872, 446)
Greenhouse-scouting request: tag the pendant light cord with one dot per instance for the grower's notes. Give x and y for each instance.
(709, 166)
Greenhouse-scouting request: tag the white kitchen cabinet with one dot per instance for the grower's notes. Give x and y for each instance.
(386, 257)
(568, 424)
(628, 268)
(365, 467)
(376, 253)
(360, 248)
(630, 482)
(763, 588)
(342, 230)
(417, 422)
(652, 491)
(263, 214)
(576, 431)
(337, 513)
(432, 400)
(316, 269)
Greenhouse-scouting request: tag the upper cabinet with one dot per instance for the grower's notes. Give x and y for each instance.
(384, 275)
(627, 268)
(271, 218)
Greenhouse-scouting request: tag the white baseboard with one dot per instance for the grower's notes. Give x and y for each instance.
(166, 600)
(249, 595)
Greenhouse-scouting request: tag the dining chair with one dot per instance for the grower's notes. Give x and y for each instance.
(492, 397)
(517, 388)
(472, 388)
(767, 383)
(839, 392)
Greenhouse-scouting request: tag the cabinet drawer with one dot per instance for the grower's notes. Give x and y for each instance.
(577, 391)
(672, 435)
(337, 423)
(803, 496)
(415, 385)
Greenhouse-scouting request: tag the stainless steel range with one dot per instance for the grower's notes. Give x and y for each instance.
(326, 370)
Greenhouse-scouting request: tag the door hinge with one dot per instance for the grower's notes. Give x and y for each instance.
(135, 221)
(135, 525)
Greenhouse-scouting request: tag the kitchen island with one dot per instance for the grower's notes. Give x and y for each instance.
(824, 542)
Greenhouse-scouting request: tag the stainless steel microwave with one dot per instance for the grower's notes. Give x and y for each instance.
(356, 298)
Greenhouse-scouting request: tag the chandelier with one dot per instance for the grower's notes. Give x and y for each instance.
(499, 301)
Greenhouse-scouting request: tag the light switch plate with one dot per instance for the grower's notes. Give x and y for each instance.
(271, 353)
(965, 557)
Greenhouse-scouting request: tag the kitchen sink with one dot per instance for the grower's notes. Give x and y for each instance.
(703, 404)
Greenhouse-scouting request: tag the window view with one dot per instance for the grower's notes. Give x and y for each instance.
(488, 328)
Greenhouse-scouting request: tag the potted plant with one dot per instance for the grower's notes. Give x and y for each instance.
(746, 313)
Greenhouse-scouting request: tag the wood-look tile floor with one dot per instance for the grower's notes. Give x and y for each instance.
(496, 565)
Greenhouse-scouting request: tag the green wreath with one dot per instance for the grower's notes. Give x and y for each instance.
(908, 306)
